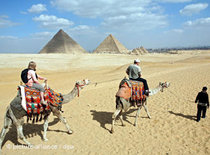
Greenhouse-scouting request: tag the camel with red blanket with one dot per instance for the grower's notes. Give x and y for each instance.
(34, 110)
(131, 93)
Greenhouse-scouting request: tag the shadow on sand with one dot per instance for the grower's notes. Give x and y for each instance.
(29, 130)
(104, 117)
(191, 117)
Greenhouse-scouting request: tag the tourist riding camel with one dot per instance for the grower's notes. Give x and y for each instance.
(27, 103)
(134, 73)
(130, 94)
(30, 78)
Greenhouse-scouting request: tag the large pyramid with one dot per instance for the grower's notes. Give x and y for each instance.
(111, 45)
(62, 43)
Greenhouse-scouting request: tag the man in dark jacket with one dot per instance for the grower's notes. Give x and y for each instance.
(203, 102)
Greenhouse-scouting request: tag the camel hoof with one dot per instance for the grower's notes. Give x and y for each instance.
(135, 124)
(111, 131)
(70, 132)
(123, 125)
(30, 145)
(45, 139)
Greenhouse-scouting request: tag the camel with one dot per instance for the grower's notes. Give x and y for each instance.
(15, 114)
(123, 105)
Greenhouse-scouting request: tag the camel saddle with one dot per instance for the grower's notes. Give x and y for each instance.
(31, 100)
(131, 90)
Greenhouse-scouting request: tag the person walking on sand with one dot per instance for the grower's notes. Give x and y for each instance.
(203, 102)
(33, 80)
(134, 73)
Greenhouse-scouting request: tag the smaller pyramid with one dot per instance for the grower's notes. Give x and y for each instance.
(62, 43)
(111, 45)
(139, 51)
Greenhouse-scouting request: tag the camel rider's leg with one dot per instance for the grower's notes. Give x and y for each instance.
(145, 85)
(41, 89)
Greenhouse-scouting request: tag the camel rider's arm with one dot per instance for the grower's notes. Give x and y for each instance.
(139, 71)
(207, 100)
(33, 76)
(127, 71)
(41, 78)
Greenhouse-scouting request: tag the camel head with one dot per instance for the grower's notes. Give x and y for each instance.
(82, 83)
(164, 85)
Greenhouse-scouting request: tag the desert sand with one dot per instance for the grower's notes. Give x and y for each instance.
(172, 129)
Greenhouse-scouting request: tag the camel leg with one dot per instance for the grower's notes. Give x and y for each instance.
(7, 124)
(65, 123)
(137, 115)
(113, 119)
(21, 135)
(121, 118)
(62, 119)
(146, 109)
(45, 129)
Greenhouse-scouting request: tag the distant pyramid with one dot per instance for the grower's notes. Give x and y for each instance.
(111, 45)
(62, 43)
(139, 51)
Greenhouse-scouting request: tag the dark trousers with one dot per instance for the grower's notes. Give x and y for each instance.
(144, 82)
(201, 109)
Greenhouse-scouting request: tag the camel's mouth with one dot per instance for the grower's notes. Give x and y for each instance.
(86, 82)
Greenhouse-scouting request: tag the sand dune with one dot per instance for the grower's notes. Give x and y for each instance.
(172, 129)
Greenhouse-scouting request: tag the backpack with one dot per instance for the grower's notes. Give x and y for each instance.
(24, 75)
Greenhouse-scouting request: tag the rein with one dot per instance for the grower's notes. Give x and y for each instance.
(80, 86)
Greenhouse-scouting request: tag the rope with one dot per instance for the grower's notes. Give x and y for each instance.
(96, 83)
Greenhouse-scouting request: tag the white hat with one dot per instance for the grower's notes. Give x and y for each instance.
(136, 60)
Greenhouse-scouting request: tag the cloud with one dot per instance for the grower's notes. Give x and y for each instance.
(4, 22)
(139, 14)
(176, 31)
(8, 37)
(174, 1)
(198, 23)
(38, 8)
(193, 8)
(100, 8)
(42, 34)
(53, 22)
(80, 28)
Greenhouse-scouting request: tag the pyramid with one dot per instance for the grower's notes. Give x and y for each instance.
(111, 45)
(140, 50)
(62, 43)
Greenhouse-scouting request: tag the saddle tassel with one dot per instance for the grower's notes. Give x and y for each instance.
(33, 119)
(27, 119)
(40, 118)
(37, 117)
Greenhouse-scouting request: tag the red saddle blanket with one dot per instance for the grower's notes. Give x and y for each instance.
(133, 90)
(33, 100)
(138, 93)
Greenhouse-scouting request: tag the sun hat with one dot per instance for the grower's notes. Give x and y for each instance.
(136, 60)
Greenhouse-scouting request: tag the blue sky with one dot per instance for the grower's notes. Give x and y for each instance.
(27, 25)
